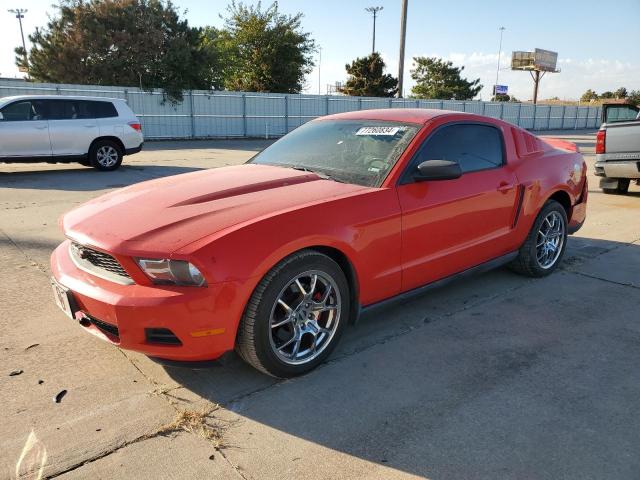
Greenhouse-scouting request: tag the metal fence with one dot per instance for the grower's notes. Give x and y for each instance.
(208, 114)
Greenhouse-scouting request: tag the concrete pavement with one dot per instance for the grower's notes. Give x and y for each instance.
(497, 376)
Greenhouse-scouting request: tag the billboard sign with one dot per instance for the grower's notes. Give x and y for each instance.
(545, 60)
(500, 89)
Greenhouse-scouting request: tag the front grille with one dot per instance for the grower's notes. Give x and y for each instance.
(99, 263)
(104, 327)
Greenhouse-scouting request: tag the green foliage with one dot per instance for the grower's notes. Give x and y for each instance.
(501, 97)
(120, 42)
(437, 78)
(634, 97)
(588, 96)
(367, 78)
(264, 50)
(621, 93)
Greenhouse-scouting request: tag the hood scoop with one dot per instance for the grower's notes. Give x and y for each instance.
(249, 188)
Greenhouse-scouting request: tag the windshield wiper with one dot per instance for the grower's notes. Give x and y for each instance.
(324, 176)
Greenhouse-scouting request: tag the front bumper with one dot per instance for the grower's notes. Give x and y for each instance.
(204, 320)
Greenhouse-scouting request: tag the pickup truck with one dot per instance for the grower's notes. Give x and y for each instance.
(618, 147)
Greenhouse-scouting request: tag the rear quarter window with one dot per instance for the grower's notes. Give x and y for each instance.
(102, 109)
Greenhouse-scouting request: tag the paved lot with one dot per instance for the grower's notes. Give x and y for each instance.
(497, 376)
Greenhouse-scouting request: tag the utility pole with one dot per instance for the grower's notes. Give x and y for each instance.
(19, 13)
(495, 94)
(319, 65)
(403, 36)
(374, 11)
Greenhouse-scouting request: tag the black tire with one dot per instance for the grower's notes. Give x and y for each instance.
(527, 263)
(621, 189)
(105, 155)
(254, 340)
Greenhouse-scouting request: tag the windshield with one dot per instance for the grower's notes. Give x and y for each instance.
(352, 151)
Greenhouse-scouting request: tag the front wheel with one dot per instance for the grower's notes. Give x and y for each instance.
(544, 247)
(295, 316)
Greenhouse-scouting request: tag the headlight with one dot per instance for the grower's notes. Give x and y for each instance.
(163, 271)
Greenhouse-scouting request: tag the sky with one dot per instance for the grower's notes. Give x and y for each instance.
(597, 42)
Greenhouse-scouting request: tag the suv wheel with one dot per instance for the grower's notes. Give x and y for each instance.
(105, 155)
(295, 316)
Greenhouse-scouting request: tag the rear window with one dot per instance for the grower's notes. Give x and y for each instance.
(621, 113)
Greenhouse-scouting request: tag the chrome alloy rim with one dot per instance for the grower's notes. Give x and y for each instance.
(107, 156)
(550, 240)
(304, 317)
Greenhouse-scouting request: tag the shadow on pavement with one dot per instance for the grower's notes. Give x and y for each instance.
(83, 179)
(496, 376)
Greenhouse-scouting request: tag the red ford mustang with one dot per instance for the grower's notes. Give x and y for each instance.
(275, 257)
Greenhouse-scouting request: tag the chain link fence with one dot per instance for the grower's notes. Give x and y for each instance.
(209, 114)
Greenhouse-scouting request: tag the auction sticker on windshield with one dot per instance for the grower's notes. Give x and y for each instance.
(378, 131)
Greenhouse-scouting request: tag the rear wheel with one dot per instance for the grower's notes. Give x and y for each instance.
(105, 155)
(295, 316)
(544, 247)
(622, 188)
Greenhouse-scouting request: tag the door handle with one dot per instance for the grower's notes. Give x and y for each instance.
(41, 127)
(90, 126)
(504, 187)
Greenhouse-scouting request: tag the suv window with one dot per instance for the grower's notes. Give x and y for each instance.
(23, 111)
(102, 109)
(474, 147)
(79, 109)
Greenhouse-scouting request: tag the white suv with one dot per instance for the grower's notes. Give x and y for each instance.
(93, 131)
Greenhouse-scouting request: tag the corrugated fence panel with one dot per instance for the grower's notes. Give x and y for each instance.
(210, 114)
(218, 115)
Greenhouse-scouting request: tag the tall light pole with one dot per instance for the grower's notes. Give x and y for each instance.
(403, 36)
(495, 94)
(19, 13)
(319, 65)
(374, 11)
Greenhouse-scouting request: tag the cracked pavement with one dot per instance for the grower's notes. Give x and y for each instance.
(495, 376)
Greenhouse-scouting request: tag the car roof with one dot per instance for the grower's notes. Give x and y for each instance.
(56, 97)
(407, 115)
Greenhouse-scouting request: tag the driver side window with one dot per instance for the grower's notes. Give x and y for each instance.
(22, 111)
(473, 146)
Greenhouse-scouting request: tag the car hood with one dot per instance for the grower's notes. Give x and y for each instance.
(161, 216)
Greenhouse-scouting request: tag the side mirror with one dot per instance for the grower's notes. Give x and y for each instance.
(1, 116)
(437, 170)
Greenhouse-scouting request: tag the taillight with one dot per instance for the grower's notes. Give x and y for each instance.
(136, 126)
(600, 139)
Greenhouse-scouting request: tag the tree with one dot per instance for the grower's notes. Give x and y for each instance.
(501, 97)
(634, 97)
(607, 94)
(621, 93)
(367, 78)
(264, 50)
(588, 96)
(437, 78)
(120, 42)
